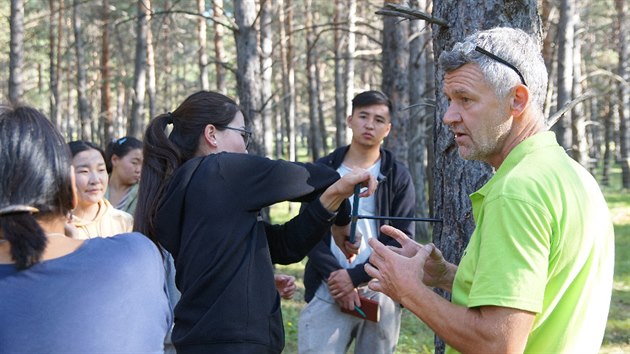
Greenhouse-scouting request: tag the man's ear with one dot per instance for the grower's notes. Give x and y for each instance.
(520, 100)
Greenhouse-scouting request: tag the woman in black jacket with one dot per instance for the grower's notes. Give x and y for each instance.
(200, 197)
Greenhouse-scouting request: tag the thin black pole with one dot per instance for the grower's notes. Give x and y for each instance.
(398, 218)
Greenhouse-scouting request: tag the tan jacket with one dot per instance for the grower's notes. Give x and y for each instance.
(108, 222)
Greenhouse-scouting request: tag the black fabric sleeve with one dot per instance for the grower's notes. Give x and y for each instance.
(343, 217)
(259, 182)
(322, 259)
(290, 242)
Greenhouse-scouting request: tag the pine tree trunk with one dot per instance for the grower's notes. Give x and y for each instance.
(201, 40)
(151, 80)
(139, 76)
(311, 67)
(54, 37)
(340, 102)
(16, 47)
(266, 69)
(350, 49)
(219, 51)
(248, 72)
(83, 105)
(106, 97)
(419, 115)
(566, 33)
(396, 83)
(623, 71)
(578, 115)
(288, 75)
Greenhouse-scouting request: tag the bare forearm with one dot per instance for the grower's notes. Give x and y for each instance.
(469, 330)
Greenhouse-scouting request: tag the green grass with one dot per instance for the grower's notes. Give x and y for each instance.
(416, 337)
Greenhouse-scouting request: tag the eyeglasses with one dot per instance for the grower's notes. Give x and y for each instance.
(246, 134)
(469, 46)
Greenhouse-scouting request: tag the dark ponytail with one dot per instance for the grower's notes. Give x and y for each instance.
(160, 158)
(26, 237)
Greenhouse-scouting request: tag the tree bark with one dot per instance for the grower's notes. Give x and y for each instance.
(248, 73)
(82, 101)
(54, 36)
(266, 68)
(578, 115)
(396, 83)
(454, 177)
(219, 50)
(350, 49)
(139, 76)
(151, 80)
(623, 70)
(419, 91)
(167, 68)
(288, 75)
(340, 102)
(566, 33)
(201, 40)
(106, 97)
(16, 51)
(311, 64)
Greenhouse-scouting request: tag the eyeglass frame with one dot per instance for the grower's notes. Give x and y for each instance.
(496, 58)
(245, 134)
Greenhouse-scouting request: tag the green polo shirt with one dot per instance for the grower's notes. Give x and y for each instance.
(543, 243)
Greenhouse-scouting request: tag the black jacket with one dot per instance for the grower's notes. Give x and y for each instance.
(395, 196)
(208, 221)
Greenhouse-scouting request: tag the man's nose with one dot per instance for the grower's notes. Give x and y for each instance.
(451, 115)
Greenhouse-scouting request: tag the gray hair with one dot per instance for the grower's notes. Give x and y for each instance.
(512, 45)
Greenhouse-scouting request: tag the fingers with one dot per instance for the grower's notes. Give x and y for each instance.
(396, 234)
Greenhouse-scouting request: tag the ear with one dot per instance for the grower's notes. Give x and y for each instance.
(520, 100)
(349, 120)
(389, 129)
(115, 160)
(209, 135)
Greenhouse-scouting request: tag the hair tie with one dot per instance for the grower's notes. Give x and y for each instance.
(15, 209)
(169, 119)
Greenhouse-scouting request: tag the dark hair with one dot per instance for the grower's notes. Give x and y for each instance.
(369, 98)
(164, 153)
(79, 146)
(34, 172)
(120, 147)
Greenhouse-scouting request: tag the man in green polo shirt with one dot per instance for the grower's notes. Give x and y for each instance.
(537, 273)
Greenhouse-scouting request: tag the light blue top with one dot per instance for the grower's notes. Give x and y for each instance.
(107, 296)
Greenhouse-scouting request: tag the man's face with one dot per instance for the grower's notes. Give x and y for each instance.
(370, 124)
(480, 121)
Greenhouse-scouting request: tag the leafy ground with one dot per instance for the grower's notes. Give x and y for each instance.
(416, 337)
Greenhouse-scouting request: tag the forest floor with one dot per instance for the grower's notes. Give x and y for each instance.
(416, 337)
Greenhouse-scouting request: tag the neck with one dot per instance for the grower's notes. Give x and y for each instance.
(362, 156)
(87, 212)
(116, 183)
(528, 128)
